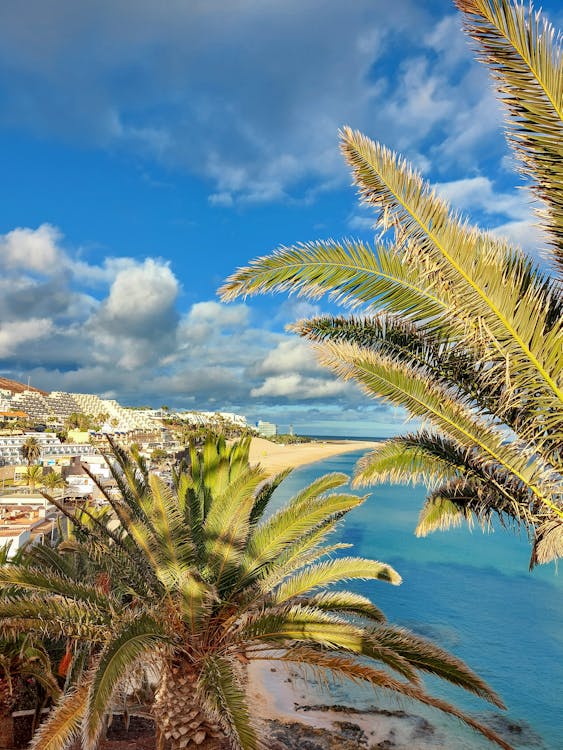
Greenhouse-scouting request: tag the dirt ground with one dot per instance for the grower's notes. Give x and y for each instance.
(139, 736)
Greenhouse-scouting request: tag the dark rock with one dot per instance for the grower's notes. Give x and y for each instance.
(296, 736)
(351, 732)
(423, 729)
(518, 733)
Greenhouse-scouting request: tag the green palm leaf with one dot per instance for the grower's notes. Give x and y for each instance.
(335, 571)
(347, 602)
(349, 272)
(525, 58)
(492, 280)
(404, 387)
(138, 637)
(223, 694)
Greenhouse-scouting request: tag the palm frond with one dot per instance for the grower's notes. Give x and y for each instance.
(64, 723)
(290, 526)
(299, 555)
(440, 357)
(175, 546)
(347, 602)
(114, 664)
(344, 667)
(35, 579)
(264, 495)
(440, 462)
(228, 522)
(223, 694)
(428, 657)
(548, 543)
(54, 617)
(334, 571)
(349, 272)
(525, 58)
(493, 282)
(403, 386)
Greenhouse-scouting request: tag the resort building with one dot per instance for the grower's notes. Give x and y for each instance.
(79, 482)
(266, 429)
(27, 520)
(49, 444)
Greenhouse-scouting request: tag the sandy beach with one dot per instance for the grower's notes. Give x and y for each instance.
(275, 457)
(279, 697)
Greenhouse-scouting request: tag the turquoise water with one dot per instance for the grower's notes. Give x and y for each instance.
(471, 592)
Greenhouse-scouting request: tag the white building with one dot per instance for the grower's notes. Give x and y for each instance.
(25, 520)
(266, 429)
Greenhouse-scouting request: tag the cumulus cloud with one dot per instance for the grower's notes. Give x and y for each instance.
(120, 331)
(137, 322)
(31, 249)
(140, 296)
(290, 355)
(127, 317)
(129, 337)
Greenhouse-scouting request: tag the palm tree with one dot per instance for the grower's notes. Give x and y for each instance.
(197, 580)
(23, 658)
(33, 476)
(30, 450)
(53, 480)
(459, 327)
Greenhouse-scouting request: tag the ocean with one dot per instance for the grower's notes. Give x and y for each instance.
(473, 594)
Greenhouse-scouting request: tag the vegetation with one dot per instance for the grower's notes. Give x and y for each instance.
(80, 421)
(30, 450)
(26, 674)
(27, 679)
(459, 327)
(53, 481)
(158, 455)
(287, 439)
(33, 476)
(198, 580)
(216, 427)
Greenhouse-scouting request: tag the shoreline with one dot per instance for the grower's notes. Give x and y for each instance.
(291, 714)
(275, 457)
(279, 697)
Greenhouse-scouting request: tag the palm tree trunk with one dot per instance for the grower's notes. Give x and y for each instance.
(180, 718)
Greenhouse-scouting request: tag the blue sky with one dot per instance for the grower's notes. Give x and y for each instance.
(149, 149)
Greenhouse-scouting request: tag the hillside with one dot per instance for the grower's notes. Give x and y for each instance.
(15, 387)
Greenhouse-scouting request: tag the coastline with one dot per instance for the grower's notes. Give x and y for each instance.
(289, 713)
(279, 697)
(275, 457)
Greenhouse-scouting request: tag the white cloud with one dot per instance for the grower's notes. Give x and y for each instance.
(137, 323)
(289, 356)
(448, 41)
(479, 192)
(206, 321)
(526, 234)
(217, 314)
(297, 386)
(141, 294)
(31, 249)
